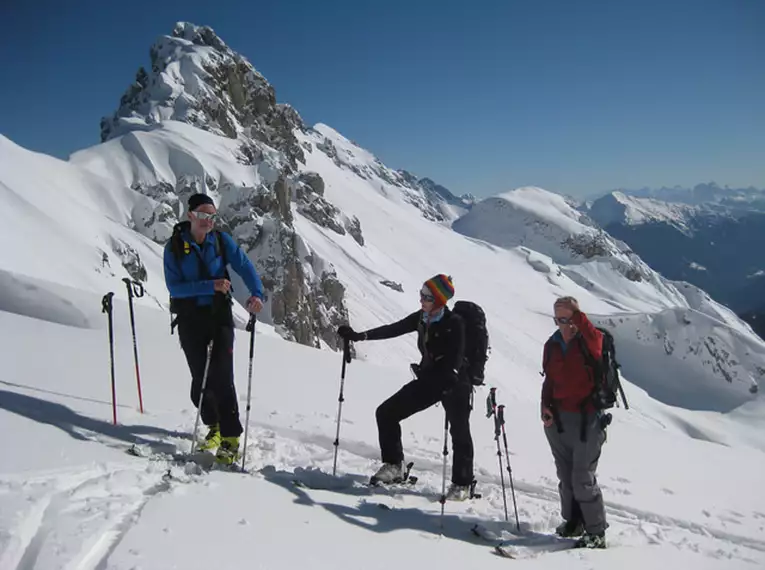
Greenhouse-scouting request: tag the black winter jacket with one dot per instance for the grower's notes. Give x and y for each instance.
(441, 344)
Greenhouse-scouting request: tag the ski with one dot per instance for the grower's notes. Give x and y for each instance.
(197, 462)
(336, 484)
(522, 547)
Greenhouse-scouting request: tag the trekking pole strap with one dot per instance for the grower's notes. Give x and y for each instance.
(491, 402)
(134, 288)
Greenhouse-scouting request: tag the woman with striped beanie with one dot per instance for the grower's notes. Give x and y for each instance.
(440, 377)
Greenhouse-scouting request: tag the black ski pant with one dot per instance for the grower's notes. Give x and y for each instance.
(419, 395)
(219, 404)
(576, 462)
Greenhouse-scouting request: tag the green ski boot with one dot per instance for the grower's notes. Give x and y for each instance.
(228, 451)
(212, 439)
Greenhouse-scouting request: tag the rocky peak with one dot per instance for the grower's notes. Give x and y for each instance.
(196, 78)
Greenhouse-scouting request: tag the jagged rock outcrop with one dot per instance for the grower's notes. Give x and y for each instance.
(129, 258)
(308, 194)
(392, 285)
(196, 78)
(314, 181)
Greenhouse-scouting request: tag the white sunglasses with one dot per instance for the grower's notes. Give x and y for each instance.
(205, 216)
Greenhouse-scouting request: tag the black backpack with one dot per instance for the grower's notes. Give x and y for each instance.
(476, 339)
(180, 247)
(605, 373)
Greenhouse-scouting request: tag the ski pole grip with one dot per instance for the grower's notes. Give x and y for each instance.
(347, 350)
(251, 323)
(106, 303)
(491, 402)
(129, 284)
(501, 414)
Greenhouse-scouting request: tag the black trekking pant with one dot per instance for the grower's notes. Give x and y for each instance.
(419, 395)
(219, 404)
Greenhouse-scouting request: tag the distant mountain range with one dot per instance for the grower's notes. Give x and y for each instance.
(710, 236)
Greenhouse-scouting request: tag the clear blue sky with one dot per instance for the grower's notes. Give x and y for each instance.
(574, 96)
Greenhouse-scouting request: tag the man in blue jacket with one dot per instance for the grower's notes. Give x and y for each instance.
(196, 274)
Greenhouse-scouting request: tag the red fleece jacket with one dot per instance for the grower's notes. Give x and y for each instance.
(568, 379)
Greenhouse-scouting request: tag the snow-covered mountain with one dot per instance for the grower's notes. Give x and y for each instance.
(337, 236)
(707, 243)
(204, 120)
(703, 194)
(622, 209)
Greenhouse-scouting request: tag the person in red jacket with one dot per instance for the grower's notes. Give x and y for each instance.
(573, 426)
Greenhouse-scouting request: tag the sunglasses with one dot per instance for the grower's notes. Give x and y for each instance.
(205, 216)
(427, 297)
(562, 321)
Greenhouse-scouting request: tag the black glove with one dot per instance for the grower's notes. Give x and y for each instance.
(347, 333)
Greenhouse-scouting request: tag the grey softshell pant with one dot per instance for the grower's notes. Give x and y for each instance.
(576, 462)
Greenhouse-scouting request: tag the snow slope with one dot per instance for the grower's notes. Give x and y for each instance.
(72, 498)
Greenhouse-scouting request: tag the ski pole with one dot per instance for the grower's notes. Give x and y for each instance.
(491, 408)
(443, 474)
(501, 419)
(251, 329)
(341, 399)
(134, 288)
(202, 394)
(106, 307)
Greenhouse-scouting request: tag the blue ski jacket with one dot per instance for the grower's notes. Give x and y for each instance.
(184, 278)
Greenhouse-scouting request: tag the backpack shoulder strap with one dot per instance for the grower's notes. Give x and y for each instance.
(545, 357)
(586, 352)
(220, 249)
(178, 245)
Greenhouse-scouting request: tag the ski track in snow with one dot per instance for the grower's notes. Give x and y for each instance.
(535, 502)
(75, 520)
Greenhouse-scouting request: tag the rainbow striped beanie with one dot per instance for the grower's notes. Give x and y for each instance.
(442, 288)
